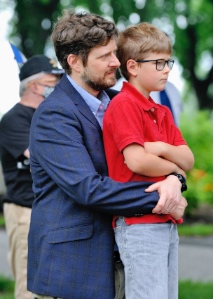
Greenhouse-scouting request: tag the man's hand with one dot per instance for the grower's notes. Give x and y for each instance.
(179, 210)
(170, 195)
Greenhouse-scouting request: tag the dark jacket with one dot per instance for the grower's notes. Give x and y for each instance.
(71, 238)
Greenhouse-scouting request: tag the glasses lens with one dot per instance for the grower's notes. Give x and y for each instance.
(170, 63)
(160, 63)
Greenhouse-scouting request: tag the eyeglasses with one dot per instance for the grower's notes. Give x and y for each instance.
(160, 63)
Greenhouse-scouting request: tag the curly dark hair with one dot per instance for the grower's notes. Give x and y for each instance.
(77, 33)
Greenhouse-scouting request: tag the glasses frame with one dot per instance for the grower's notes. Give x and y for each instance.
(169, 63)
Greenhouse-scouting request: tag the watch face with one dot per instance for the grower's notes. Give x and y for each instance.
(181, 178)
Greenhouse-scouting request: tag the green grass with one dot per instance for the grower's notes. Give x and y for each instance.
(187, 289)
(195, 290)
(2, 222)
(196, 229)
(6, 288)
(6, 295)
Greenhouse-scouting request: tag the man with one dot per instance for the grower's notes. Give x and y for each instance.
(38, 76)
(71, 237)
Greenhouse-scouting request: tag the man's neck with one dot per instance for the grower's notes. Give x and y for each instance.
(82, 84)
(31, 101)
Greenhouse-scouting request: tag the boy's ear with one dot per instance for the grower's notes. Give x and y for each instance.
(132, 67)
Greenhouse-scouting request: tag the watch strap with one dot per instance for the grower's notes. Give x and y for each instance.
(181, 179)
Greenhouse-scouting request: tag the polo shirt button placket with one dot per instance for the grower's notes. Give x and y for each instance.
(153, 110)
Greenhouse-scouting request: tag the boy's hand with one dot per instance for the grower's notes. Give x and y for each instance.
(170, 195)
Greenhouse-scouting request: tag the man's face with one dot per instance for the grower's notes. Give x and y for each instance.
(43, 86)
(49, 80)
(99, 73)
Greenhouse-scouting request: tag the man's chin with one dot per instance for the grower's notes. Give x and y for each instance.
(105, 85)
(111, 82)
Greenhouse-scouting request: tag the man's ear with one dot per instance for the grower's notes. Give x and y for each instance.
(132, 67)
(74, 62)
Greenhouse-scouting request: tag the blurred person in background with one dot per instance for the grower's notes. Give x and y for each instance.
(171, 98)
(38, 76)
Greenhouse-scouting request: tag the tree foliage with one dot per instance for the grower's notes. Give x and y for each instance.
(33, 22)
(188, 23)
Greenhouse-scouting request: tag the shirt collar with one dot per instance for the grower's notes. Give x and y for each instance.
(90, 100)
(147, 104)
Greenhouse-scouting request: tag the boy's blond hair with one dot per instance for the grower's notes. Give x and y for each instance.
(137, 42)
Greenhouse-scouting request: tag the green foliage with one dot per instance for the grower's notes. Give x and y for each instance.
(6, 284)
(197, 130)
(32, 24)
(6, 288)
(195, 290)
(188, 23)
(195, 230)
(2, 221)
(7, 296)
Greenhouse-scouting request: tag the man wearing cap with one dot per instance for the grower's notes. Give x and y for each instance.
(38, 76)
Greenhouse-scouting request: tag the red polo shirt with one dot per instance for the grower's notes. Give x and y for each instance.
(132, 118)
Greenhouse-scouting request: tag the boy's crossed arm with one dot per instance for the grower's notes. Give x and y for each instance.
(180, 155)
(138, 160)
(158, 159)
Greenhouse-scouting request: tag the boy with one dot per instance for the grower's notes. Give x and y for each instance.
(142, 143)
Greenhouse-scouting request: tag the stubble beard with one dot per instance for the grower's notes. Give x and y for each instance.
(97, 83)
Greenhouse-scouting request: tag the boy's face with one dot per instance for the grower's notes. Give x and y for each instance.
(147, 77)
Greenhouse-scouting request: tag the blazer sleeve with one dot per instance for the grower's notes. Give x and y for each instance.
(57, 143)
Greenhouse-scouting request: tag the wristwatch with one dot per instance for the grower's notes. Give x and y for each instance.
(181, 179)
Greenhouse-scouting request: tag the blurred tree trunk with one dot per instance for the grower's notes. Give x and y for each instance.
(30, 15)
(201, 86)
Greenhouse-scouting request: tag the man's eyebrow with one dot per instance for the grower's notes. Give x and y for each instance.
(109, 52)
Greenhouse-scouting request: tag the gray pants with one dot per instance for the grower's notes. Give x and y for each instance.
(150, 256)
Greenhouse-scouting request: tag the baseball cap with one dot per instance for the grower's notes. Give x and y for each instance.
(37, 64)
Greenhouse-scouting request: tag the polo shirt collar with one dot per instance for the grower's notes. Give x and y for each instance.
(147, 104)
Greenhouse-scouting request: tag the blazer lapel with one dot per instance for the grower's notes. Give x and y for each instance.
(78, 100)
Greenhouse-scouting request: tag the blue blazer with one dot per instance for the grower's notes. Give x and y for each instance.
(71, 238)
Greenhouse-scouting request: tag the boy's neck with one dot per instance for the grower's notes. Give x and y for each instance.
(144, 92)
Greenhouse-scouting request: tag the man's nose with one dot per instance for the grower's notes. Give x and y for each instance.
(114, 61)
